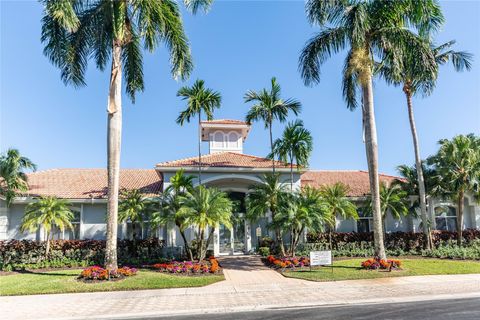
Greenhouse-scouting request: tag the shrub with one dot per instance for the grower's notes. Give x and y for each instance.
(188, 267)
(264, 251)
(376, 263)
(286, 262)
(28, 254)
(98, 273)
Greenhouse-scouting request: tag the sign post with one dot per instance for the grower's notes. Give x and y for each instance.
(321, 258)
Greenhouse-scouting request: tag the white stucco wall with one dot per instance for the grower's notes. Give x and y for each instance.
(15, 216)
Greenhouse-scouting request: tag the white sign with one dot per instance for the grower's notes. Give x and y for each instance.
(258, 231)
(320, 258)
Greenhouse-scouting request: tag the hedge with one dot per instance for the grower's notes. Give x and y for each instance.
(406, 241)
(26, 254)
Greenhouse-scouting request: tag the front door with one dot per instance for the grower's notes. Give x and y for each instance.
(232, 241)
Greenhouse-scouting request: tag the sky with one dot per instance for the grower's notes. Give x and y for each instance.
(237, 46)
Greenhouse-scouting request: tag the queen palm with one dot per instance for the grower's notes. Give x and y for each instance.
(367, 29)
(12, 176)
(268, 107)
(269, 196)
(457, 163)
(198, 99)
(47, 213)
(335, 198)
(205, 208)
(416, 78)
(296, 144)
(103, 30)
(305, 210)
(393, 199)
(170, 204)
(134, 207)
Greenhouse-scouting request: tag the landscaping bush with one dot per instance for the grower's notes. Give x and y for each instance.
(28, 254)
(405, 241)
(94, 273)
(375, 264)
(189, 267)
(451, 250)
(264, 251)
(286, 262)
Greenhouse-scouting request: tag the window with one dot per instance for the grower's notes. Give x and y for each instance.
(364, 222)
(141, 230)
(218, 140)
(445, 218)
(69, 234)
(232, 140)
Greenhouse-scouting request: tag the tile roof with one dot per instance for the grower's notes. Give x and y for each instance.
(88, 183)
(224, 121)
(357, 180)
(225, 160)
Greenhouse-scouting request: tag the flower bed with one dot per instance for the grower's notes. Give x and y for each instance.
(189, 267)
(96, 273)
(287, 262)
(376, 263)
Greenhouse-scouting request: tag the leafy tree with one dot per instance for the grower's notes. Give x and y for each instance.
(170, 204)
(268, 197)
(13, 179)
(296, 144)
(416, 77)
(335, 198)
(457, 163)
(134, 207)
(76, 31)
(367, 29)
(268, 107)
(47, 213)
(393, 199)
(199, 99)
(304, 210)
(205, 208)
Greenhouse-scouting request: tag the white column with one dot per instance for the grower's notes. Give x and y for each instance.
(248, 236)
(171, 235)
(476, 216)
(216, 241)
(3, 221)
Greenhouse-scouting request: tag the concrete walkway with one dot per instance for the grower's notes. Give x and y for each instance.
(248, 286)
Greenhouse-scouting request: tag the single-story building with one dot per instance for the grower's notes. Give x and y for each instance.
(225, 167)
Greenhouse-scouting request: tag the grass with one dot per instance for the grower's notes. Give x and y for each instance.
(350, 269)
(64, 281)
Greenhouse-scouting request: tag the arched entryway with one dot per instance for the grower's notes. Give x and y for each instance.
(232, 241)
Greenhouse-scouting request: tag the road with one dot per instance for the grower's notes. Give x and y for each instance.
(459, 309)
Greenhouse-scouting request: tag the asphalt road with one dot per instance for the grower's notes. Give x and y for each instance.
(438, 309)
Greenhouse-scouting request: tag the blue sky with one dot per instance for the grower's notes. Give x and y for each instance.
(237, 46)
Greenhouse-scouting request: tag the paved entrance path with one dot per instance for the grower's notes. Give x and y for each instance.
(249, 286)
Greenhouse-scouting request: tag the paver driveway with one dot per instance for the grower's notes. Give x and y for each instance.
(249, 286)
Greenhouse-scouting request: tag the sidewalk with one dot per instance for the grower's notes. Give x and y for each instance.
(244, 289)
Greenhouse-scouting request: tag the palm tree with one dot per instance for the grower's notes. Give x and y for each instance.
(170, 204)
(47, 213)
(393, 199)
(134, 207)
(305, 210)
(205, 208)
(198, 99)
(295, 144)
(368, 29)
(335, 198)
(12, 176)
(415, 77)
(457, 163)
(268, 197)
(75, 31)
(269, 106)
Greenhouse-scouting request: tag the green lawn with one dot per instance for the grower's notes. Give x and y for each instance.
(64, 281)
(350, 269)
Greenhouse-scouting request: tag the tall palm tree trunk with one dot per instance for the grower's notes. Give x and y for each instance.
(461, 198)
(199, 148)
(418, 165)
(271, 146)
(47, 248)
(114, 136)
(188, 250)
(371, 147)
(291, 172)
